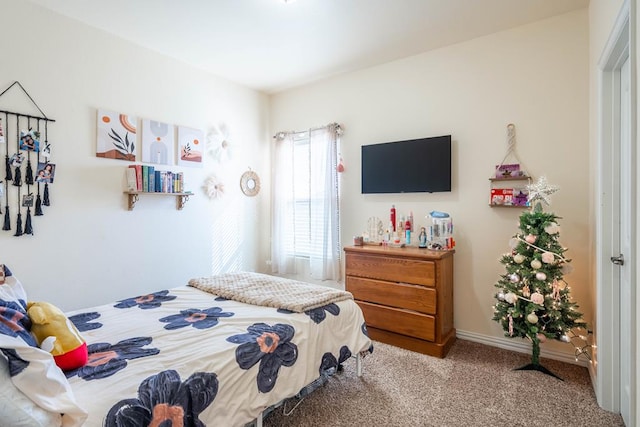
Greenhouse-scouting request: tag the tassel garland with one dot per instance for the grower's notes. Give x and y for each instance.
(28, 228)
(7, 219)
(17, 177)
(45, 195)
(38, 211)
(7, 165)
(19, 225)
(28, 179)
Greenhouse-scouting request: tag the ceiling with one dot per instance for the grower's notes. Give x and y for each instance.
(271, 46)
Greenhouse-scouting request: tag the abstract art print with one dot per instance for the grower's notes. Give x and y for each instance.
(117, 136)
(190, 146)
(158, 142)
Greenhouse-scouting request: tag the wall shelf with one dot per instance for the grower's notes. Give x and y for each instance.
(181, 198)
(512, 178)
(515, 197)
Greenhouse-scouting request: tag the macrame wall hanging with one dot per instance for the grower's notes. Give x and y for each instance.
(26, 145)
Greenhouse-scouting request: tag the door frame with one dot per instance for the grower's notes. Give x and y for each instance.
(607, 367)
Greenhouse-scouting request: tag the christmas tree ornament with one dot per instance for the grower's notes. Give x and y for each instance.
(552, 228)
(565, 338)
(541, 192)
(530, 238)
(513, 243)
(532, 318)
(526, 291)
(541, 276)
(537, 298)
(518, 258)
(566, 269)
(541, 337)
(535, 264)
(510, 297)
(500, 296)
(547, 257)
(514, 278)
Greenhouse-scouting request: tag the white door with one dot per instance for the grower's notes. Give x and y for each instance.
(624, 260)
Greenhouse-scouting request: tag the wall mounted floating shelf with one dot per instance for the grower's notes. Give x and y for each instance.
(181, 198)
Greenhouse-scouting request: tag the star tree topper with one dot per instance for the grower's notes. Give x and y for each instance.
(541, 191)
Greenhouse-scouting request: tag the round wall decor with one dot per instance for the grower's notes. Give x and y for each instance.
(250, 183)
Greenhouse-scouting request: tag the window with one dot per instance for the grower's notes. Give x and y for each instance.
(305, 200)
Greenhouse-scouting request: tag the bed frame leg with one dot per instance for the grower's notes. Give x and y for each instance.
(359, 364)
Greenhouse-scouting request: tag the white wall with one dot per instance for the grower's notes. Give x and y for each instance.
(88, 248)
(534, 76)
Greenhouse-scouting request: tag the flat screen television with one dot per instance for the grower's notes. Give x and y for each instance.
(413, 166)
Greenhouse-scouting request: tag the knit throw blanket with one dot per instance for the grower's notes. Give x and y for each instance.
(270, 291)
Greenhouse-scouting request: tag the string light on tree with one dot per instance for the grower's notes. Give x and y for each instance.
(533, 300)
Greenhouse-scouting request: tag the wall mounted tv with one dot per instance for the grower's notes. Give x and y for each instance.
(413, 166)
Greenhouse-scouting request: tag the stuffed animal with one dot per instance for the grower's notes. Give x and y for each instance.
(55, 333)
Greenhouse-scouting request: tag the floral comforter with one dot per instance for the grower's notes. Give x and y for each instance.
(195, 359)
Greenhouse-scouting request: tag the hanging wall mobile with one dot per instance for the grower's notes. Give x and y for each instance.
(26, 147)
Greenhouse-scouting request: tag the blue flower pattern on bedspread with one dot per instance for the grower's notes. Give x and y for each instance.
(329, 361)
(107, 359)
(164, 401)
(146, 302)
(15, 322)
(81, 321)
(199, 319)
(318, 314)
(269, 345)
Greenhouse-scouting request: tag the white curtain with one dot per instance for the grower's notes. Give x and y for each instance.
(282, 255)
(323, 240)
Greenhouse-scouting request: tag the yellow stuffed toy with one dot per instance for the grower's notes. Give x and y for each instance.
(55, 333)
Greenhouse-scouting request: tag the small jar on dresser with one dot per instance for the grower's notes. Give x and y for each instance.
(406, 295)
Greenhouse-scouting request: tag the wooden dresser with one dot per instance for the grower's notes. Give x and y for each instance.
(406, 295)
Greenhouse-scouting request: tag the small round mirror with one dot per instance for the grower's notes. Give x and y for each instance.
(250, 183)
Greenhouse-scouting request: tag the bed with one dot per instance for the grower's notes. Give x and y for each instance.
(197, 355)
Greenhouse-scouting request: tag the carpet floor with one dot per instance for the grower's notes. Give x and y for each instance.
(475, 385)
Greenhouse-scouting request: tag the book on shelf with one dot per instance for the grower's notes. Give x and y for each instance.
(509, 171)
(132, 181)
(145, 178)
(138, 172)
(502, 196)
(509, 197)
(152, 179)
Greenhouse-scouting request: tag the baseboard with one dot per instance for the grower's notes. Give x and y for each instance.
(520, 347)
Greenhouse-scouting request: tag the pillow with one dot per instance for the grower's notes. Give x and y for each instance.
(32, 370)
(17, 408)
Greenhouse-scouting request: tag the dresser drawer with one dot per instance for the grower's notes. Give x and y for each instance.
(400, 295)
(400, 321)
(414, 271)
